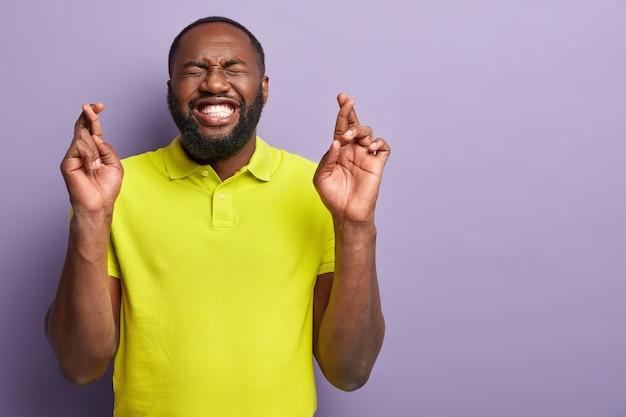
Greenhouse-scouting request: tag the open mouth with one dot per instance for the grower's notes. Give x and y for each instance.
(219, 111)
(215, 114)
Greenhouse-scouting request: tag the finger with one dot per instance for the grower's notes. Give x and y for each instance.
(91, 114)
(380, 148)
(361, 135)
(81, 155)
(88, 119)
(352, 117)
(107, 154)
(327, 163)
(84, 150)
(346, 118)
(345, 107)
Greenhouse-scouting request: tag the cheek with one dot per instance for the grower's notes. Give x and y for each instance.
(183, 90)
(247, 90)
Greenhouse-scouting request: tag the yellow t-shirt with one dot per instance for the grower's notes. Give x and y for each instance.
(217, 285)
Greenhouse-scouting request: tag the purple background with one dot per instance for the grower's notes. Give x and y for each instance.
(501, 219)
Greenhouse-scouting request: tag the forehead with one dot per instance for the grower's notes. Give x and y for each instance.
(216, 39)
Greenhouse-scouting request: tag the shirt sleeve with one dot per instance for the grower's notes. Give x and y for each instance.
(328, 259)
(113, 263)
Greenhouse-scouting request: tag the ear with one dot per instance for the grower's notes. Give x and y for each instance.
(265, 85)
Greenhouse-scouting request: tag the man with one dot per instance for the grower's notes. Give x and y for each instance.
(216, 270)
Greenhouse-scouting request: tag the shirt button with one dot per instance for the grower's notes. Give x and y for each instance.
(222, 196)
(205, 173)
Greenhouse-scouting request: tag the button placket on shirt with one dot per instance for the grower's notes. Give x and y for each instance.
(222, 206)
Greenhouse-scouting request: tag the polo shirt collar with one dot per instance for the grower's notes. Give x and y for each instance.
(179, 165)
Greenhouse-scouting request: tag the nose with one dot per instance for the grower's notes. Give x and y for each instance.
(215, 81)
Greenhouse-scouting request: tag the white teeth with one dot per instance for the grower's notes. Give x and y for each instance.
(218, 110)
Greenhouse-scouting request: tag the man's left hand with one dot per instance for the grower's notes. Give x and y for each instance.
(349, 174)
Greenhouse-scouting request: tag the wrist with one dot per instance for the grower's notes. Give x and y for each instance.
(93, 223)
(354, 231)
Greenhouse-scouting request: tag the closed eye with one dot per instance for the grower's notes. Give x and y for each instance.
(234, 71)
(235, 66)
(194, 73)
(194, 69)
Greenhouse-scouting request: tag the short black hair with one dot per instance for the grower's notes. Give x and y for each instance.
(212, 19)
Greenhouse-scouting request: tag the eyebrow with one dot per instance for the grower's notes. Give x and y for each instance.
(201, 64)
(234, 61)
(198, 64)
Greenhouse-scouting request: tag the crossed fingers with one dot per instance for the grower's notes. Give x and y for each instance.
(348, 129)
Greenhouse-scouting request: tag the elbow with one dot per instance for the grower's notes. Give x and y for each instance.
(351, 385)
(82, 375)
(350, 380)
(348, 366)
(79, 379)
(78, 364)
(347, 376)
(83, 368)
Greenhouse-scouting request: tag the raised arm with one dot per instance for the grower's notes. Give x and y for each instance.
(82, 323)
(348, 320)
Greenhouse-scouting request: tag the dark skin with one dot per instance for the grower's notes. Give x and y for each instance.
(222, 64)
(348, 326)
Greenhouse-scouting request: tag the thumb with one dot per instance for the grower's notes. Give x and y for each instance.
(329, 160)
(106, 151)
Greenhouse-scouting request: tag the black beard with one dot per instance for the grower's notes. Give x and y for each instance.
(204, 149)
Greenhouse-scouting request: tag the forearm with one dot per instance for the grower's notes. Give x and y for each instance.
(80, 325)
(352, 327)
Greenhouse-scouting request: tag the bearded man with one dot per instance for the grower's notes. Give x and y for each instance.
(213, 270)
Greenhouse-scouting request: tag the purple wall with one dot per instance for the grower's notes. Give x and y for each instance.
(502, 225)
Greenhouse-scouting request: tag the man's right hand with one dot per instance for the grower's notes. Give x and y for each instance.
(91, 168)
(82, 323)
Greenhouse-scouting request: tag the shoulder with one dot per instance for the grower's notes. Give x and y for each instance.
(143, 171)
(142, 160)
(283, 160)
